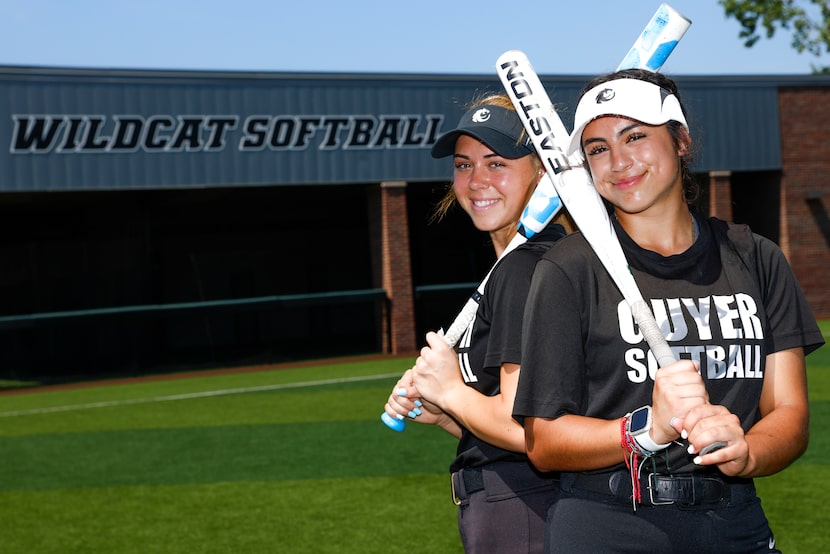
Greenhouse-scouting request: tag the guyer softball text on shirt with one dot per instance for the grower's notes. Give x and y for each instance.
(728, 329)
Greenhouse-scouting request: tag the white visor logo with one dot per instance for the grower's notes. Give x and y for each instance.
(481, 115)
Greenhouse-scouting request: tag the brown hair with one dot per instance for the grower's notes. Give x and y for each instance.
(682, 138)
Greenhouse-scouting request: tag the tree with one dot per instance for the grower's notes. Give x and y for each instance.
(807, 20)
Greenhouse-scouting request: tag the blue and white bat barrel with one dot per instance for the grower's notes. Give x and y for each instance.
(657, 41)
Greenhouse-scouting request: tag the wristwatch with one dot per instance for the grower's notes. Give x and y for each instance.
(639, 425)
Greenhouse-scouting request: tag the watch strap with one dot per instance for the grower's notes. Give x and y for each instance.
(647, 443)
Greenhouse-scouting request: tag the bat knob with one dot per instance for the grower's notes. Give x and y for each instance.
(395, 424)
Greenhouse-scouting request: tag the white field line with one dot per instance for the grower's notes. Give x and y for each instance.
(188, 396)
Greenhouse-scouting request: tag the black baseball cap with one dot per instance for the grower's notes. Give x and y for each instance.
(499, 128)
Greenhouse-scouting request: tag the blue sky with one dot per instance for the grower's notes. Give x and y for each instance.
(564, 37)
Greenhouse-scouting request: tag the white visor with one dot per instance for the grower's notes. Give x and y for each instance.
(632, 98)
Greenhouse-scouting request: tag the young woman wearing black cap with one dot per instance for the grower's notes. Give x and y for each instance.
(502, 499)
(627, 437)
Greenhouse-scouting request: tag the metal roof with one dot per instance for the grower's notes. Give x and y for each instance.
(84, 129)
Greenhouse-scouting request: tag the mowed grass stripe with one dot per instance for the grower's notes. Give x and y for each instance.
(220, 454)
(330, 430)
(818, 450)
(796, 507)
(352, 401)
(183, 384)
(324, 516)
(191, 395)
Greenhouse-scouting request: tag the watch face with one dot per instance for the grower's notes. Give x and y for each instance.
(639, 421)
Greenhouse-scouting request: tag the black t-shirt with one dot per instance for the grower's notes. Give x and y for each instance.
(495, 338)
(584, 355)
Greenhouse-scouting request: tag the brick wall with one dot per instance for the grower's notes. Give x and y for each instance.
(805, 190)
(720, 195)
(397, 267)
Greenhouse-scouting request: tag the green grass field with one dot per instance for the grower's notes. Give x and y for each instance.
(288, 460)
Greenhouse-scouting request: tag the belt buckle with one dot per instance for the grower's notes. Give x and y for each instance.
(652, 486)
(455, 499)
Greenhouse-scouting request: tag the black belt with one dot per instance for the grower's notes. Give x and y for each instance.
(689, 489)
(473, 480)
(505, 479)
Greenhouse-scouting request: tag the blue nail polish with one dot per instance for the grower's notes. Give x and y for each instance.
(412, 415)
(419, 403)
(417, 411)
(401, 392)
